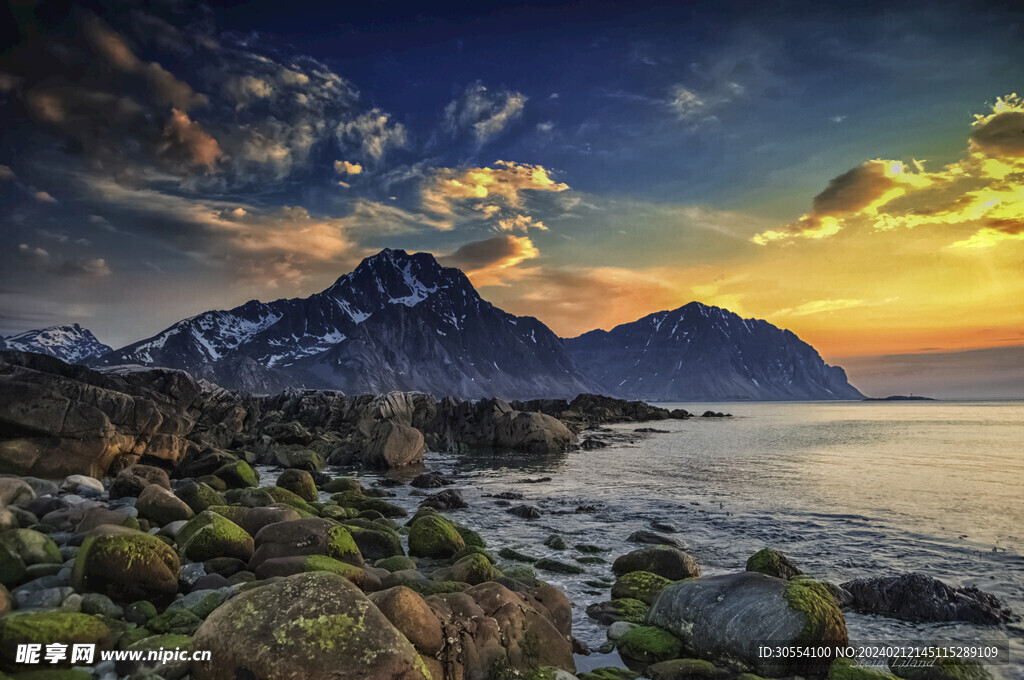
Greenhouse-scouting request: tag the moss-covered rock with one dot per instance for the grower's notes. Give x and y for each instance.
(555, 542)
(209, 535)
(824, 619)
(395, 563)
(684, 669)
(198, 495)
(374, 541)
(32, 547)
(299, 482)
(434, 536)
(305, 537)
(639, 585)
(663, 560)
(473, 550)
(342, 484)
(235, 513)
(649, 645)
(427, 588)
(126, 565)
(516, 556)
(625, 609)
(46, 628)
(176, 621)
(548, 564)
(139, 612)
(473, 569)
(12, 567)
(238, 474)
(281, 495)
(313, 625)
(336, 512)
(772, 563)
(471, 538)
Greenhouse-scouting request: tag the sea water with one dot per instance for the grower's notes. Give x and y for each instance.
(847, 490)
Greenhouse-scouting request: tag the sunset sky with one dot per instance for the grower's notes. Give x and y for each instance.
(851, 171)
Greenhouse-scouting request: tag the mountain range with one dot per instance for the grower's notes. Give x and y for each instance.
(401, 321)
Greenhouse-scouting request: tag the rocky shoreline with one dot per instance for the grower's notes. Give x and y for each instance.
(134, 518)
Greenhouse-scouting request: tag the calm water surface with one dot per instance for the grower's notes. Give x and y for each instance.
(848, 490)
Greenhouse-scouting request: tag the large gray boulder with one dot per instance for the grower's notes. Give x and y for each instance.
(724, 618)
(312, 626)
(392, 445)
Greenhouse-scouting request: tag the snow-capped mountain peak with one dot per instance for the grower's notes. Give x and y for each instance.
(70, 343)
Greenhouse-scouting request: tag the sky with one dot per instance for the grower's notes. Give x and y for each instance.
(851, 171)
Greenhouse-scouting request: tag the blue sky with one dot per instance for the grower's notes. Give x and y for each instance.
(586, 163)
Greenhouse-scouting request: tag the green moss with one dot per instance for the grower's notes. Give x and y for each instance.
(434, 536)
(649, 644)
(235, 513)
(471, 538)
(426, 588)
(823, 619)
(473, 569)
(639, 585)
(623, 609)
(209, 535)
(51, 627)
(176, 621)
(772, 563)
(848, 669)
(287, 497)
(341, 545)
(199, 497)
(336, 512)
(132, 636)
(125, 564)
(342, 484)
(238, 474)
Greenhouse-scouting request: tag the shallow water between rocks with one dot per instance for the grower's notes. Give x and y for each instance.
(847, 490)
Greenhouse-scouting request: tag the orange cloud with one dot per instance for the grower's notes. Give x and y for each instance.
(185, 138)
(982, 187)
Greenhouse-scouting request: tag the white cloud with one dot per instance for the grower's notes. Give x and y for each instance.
(483, 112)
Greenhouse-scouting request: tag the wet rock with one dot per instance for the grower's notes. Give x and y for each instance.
(717, 617)
(31, 547)
(649, 644)
(606, 613)
(685, 669)
(516, 556)
(255, 519)
(198, 496)
(525, 511)
(639, 585)
(918, 597)
(315, 626)
(772, 563)
(430, 480)
(73, 484)
(666, 561)
(450, 499)
(664, 527)
(209, 535)
(547, 564)
(555, 542)
(653, 538)
(14, 491)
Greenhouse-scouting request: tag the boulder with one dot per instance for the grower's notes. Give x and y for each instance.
(362, 577)
(430, 480)
(392, 445)
(666, 561)
(72, 484)
(14, 491)
(198, 495)
(654, 538)
(772, 563)
(639, 585)
(649, 644)
(449, 499)
(434, 536)
(299, 482)
(717, 617)
(305, 537)
(311, 626)
(161, 507)
(31, 547)
(255, 519)
(412, 616)
(374, 540)
(209, 535)
(126, 565)
(918, 597)
(134, 479)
